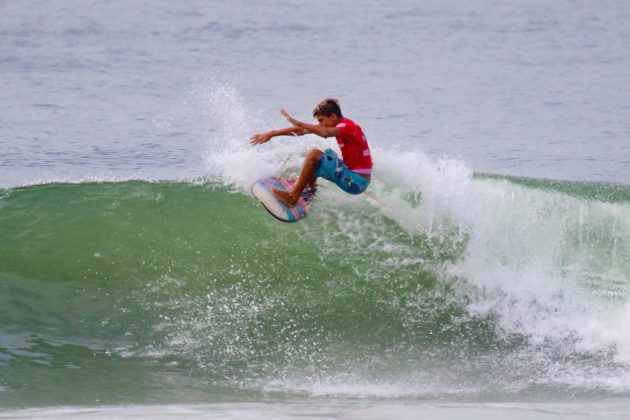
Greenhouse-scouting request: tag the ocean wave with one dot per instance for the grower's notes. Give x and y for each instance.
(441, 278)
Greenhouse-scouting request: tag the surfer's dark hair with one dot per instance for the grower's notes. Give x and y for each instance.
(327, 107)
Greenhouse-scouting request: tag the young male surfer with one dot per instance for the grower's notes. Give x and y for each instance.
(352, 174)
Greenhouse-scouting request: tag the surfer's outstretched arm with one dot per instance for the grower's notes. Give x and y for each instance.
(265, 137)
(322, 129)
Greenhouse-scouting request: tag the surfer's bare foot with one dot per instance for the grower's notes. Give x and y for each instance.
(286, 197)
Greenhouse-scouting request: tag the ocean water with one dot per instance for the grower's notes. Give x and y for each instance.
(485, 274)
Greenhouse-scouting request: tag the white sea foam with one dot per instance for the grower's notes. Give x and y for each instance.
(545, 265)
(229, 157)
(548, 265)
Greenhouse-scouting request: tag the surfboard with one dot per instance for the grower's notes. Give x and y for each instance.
(261, 190)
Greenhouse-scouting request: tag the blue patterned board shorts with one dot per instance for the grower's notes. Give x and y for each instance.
(333, 169)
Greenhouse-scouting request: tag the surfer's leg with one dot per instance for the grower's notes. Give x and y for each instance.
(307, 177)
(333, 169)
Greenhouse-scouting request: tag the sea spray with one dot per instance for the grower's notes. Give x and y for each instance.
(536, 262)
(230, 158)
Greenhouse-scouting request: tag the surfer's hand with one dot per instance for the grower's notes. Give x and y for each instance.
(260, 138)
(286, 115)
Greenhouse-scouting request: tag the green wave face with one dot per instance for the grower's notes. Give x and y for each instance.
(177, 291)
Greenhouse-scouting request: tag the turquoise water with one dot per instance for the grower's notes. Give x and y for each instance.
(484, 272)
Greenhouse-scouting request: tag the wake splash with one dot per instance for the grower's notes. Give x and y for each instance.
(540, 260)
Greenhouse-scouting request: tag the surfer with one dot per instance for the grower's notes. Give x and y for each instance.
(351, 174)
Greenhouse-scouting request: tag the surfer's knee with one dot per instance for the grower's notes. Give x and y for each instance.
(314, 155)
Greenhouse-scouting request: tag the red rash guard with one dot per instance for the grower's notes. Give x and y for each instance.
(354, 147)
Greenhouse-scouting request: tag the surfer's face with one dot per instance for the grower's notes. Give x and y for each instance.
(330, 121)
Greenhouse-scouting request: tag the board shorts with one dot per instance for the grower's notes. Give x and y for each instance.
(333, 169)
